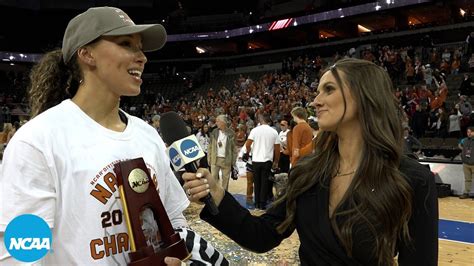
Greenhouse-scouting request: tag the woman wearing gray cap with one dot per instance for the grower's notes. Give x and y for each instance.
(59, 166)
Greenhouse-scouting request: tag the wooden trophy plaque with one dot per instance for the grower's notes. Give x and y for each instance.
(138, 192)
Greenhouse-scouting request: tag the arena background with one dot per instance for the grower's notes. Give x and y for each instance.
(216, 48)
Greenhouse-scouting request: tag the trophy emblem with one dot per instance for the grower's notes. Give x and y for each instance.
(140, 201)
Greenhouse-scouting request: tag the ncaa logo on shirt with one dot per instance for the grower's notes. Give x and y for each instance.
(189, 148)
(28, 238)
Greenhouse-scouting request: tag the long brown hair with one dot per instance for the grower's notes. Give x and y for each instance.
(52, 81)
(378, 197)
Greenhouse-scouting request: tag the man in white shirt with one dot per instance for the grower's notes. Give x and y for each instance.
(265, 156)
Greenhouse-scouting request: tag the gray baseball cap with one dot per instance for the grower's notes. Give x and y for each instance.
(108, 21)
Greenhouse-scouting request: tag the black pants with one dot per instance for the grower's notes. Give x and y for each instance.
(262, 171)
(284, 163)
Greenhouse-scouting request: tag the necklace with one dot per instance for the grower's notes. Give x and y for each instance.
(339, 173)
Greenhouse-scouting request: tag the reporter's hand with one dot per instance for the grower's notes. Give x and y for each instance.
(198, 185)
(174, 261)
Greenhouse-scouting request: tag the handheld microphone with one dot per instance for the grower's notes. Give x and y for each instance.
(184, 149)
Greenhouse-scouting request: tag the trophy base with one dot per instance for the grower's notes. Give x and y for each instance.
(148, 257)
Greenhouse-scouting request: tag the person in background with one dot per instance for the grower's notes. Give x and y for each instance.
(240, 135)
(411, 144)
(309, 148)
(302, 133)
(222, 155)
(204, 138)
(357, 200)
(284, 163)
(289, 140)
(467, 156)
(455, 122)
(264, 144)
(155, 122)
(467, 85)
(247, 158)
(63, 158)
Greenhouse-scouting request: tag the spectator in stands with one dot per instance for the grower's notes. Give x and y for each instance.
(467, 156)
(446, 55)
(464, 106)
(471, 63)
(222, 154)
(155, 122)
(455, 65)
(212, 124)
(7, 128)
(411, 144)
(455, 122)
(357, 200)
(410, 72)
(419, 121)
(440, 97)
(16, 126)
(240, 135)
(467, 85)
(62, 160)
(470, 44)
(427, 74)
(445, 67)
(442, 122)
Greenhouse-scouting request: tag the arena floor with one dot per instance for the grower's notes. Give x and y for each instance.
(456, 234)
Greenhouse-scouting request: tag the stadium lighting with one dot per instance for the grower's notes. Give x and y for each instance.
(377, 7)
(250, 30)
(200, 50)
(280, 24)
(363, 29)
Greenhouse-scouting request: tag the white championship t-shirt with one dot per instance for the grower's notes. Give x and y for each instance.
(59, 166)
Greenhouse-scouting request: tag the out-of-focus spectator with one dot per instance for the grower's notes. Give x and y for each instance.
(155, 122)
(455, 122)
(471, 63)
(411, 144)
(467, 85)
(470, 44)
